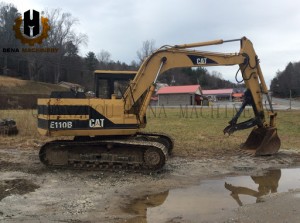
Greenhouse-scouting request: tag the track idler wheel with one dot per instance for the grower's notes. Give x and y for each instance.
(53, 155)
(264, 140)
(154, 158)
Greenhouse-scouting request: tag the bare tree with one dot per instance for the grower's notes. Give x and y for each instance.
(217, 74)
(63, 37)
(147, 48)
(104, 57)
(134, 64)
(8, 13)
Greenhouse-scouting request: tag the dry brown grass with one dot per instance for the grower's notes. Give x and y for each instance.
(26, 121)
(27, 125)
(11, 86)
(10, 82)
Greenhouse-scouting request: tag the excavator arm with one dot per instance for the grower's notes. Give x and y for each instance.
(263, 138)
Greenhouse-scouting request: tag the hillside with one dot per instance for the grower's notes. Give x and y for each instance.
(21, 94)
(9, 85)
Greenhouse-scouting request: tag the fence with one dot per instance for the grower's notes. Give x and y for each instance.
(197, 111)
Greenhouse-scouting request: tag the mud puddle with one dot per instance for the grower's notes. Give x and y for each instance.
(211, 199)
(16, 186)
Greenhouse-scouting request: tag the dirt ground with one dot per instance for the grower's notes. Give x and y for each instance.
(29, 192)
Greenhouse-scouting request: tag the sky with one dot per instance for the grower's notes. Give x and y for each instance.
(121, 26)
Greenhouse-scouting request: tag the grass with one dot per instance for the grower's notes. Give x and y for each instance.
(288, 124)
(194, 136)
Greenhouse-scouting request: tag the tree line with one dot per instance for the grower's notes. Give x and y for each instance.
(67, 65)
(287, 82)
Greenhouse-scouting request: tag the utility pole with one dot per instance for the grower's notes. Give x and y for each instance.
(290, 99)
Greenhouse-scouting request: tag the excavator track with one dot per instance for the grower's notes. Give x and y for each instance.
(89, 153)
(162, 138)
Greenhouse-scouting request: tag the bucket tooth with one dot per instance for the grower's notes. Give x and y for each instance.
(264, 140)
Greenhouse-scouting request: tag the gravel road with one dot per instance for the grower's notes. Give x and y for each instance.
(30, 192)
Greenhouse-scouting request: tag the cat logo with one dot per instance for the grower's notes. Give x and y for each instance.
(96, 123)
(35, 29)
(201, 60)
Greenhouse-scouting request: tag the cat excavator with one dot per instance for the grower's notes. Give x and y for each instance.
(106, 128)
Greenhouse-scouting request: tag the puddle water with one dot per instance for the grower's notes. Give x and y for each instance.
(211, 198)
(16, 186)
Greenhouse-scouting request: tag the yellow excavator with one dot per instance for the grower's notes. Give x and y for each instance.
(106, 128)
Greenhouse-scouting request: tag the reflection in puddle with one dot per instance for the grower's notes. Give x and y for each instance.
(266, 184)
(140, 206)
(212, 198)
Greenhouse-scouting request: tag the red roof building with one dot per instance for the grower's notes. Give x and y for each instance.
(179, 95)
(218, 94)
(192, 89)
(238, 96)
(218, 91)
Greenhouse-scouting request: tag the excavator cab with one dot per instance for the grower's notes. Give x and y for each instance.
(108, 83)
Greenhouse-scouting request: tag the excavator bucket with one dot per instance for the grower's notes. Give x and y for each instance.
(264, 140)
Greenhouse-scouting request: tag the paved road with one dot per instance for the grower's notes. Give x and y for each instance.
(278, 104)
(282, 104)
